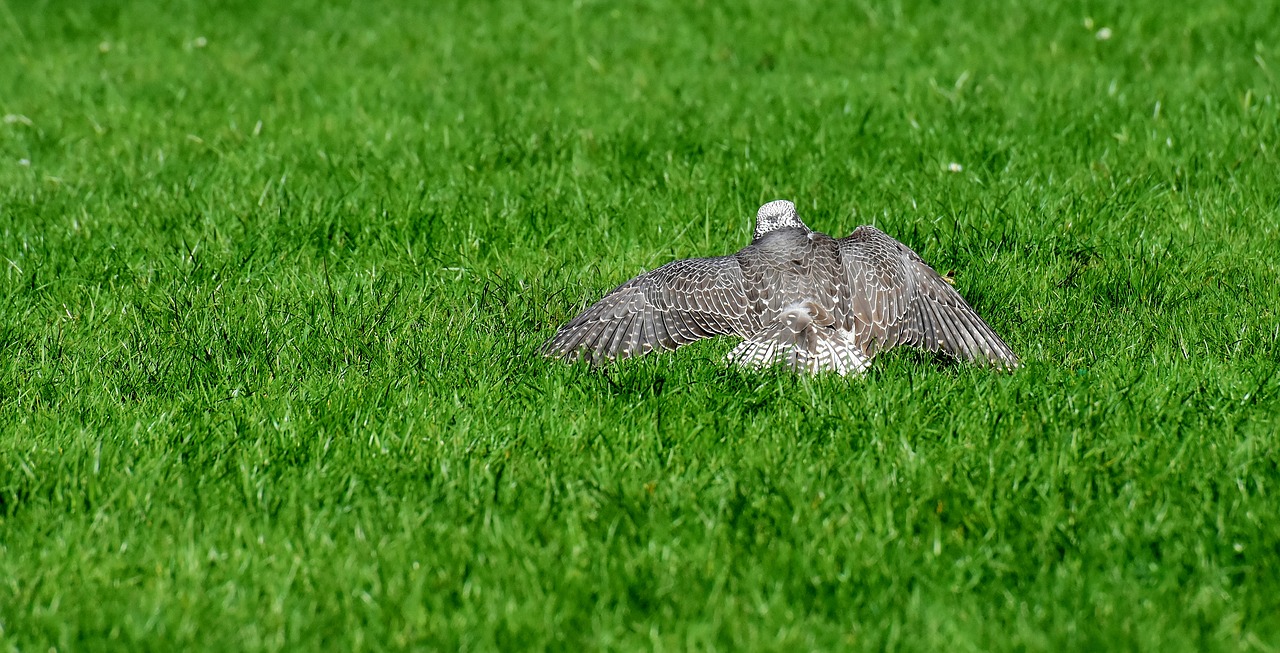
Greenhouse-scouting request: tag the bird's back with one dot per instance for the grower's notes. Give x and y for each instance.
(791, 266)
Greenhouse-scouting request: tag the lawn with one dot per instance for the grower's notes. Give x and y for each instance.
(275, 275)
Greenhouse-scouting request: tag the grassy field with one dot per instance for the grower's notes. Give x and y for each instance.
(275, 273)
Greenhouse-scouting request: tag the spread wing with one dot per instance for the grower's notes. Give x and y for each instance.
(675, 305)
(895, 298)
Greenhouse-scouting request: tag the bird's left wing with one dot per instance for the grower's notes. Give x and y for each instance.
(671, 306)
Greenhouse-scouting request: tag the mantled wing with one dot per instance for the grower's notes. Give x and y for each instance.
(897, 299)
(676, 304)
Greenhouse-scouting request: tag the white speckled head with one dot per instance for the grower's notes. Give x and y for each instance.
(777, 214)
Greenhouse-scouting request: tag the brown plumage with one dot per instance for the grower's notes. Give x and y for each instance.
(796, 296)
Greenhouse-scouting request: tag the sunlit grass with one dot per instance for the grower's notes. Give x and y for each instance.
(274, 276)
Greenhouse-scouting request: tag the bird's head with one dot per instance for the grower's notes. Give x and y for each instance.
(778, 214)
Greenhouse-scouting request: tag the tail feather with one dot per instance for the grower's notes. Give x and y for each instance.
(804, 338)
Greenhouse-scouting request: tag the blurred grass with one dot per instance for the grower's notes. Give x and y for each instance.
(275, 273)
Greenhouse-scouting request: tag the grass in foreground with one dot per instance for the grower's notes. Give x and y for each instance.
(274, 277)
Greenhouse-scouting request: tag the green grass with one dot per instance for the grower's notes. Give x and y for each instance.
(274, 276)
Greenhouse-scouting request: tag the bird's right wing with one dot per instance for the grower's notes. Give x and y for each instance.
(897, 299)
(671, 306)
(876, 300)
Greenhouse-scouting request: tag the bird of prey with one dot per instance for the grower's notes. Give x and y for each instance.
(796, 297)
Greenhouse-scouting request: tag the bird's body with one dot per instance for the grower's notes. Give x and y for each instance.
(796, 297)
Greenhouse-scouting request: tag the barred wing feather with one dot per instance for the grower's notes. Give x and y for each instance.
(674, 305)
(897, 299)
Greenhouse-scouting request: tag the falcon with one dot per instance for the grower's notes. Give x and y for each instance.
(797, 298)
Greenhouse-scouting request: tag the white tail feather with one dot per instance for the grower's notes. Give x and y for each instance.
(796, 339)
